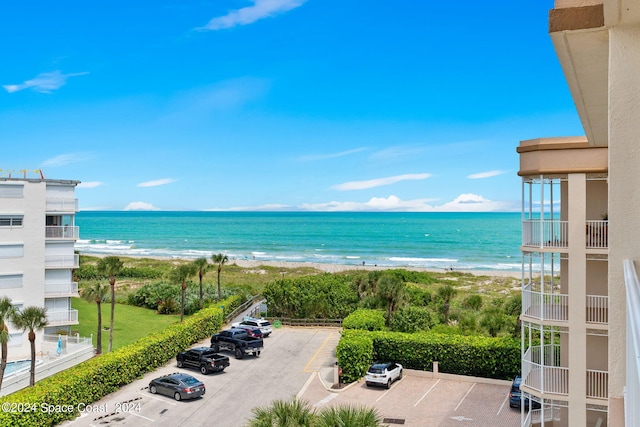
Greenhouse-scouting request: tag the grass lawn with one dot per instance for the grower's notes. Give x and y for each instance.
(131, 323)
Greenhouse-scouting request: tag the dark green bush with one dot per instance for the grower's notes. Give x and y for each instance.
(368, 320)
(411, 319)
(354, 354)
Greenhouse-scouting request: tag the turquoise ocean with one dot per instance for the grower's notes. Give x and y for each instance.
(463, 241)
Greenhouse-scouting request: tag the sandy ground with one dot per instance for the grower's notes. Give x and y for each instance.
(335, 268)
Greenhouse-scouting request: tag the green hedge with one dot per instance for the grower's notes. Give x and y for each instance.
(456, 354)
(92, 380)
(354, 354)
(365, 319)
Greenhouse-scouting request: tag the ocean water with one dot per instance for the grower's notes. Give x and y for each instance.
(463, 241)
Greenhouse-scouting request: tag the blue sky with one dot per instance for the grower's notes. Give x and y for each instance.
(280, 104)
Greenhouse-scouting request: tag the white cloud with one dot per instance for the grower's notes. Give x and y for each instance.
(221, 96)
(65, 159)
(43, 82)
(90, 184)
(140, 206)
(462, 203)
(487, 174)
(157, 182)
(248, 15)
(312, 157)
(398, 151)
(378, 182)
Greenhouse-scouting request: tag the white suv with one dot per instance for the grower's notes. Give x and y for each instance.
(262, 324)
(384, 374)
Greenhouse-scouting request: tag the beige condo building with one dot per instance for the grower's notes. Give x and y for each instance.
(581, 229)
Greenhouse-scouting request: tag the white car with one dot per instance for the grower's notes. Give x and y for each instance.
(383, 374)
(262, 324)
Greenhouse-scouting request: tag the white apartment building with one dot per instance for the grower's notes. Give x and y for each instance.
(37, 236)
(581, 233)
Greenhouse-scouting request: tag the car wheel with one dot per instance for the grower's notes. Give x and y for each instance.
(215, 347)
(177, 396)
(153, 389)
(257, 353)
(389, 383)
(239, 353)
(180, 364)
(400, 376)
(204, 370)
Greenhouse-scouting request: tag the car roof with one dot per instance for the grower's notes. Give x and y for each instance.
(179, 376)
(381, 365)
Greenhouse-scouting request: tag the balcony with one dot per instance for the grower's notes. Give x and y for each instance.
(597, 384)
(62, 261)
(62, 205)
(60, 289)
(598, 309)
(554, 234)
(64, 317)
(537, 416)
(541, 372)
(546, 233)
(542, 306)
(63, 232)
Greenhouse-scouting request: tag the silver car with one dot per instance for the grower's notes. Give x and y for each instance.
(179, 386)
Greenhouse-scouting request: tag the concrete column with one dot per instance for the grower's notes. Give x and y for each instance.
(577, 214)
(624, 196)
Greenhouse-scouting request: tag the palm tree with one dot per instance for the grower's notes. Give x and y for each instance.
(447, 293)
(31, 319)
(219, 259)
(180, 276)
(202, 265)
(392, 290)
(96, 293)
(7, 311)
(282, 413)
(348, 415)
(110, 266)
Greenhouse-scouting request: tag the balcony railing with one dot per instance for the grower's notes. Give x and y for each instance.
(62, 205)
(598, 309)
(540, 371)
(545, 306)
(65, 232)
(597, 382)
(597, 234)
(64, 317)
(60, 289)
(535, 416)
(547, 233)
(62, 261)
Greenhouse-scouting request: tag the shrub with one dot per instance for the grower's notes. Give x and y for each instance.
(411, 319)
(355, 354)
(473, 302)
(369, 320)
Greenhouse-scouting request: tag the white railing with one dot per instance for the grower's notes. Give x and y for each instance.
(62, 205)
(62, 261)
(62, 232)
(548, 414)
(598, 309)
(546, 233)
(545, 306)
(632, 388)
(60, 289)
(64, 317)
(597, 382)
(540, 371)
(597, 234)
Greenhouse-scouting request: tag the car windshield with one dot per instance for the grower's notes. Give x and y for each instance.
(190, 381)
(377, 369)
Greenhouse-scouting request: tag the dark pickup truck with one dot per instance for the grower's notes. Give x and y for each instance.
(203, 358)
(238, 341)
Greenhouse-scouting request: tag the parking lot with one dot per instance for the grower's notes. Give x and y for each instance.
(299, 362)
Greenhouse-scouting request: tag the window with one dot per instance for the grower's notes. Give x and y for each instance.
(10, 220)
(11, 250)
(11, 190)
(8, 281)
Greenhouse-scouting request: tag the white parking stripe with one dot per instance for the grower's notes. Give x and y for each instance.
(503, 403)
(138, 415)
(327, 399)
(425, 395)
(306, 385)
(465, 396)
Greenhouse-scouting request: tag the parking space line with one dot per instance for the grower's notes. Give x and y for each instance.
(504, 402)
(138, 415)
(425, 395)
(161, 399)
(465, 396)
(305, 386)
(306, 368)
(327, 399)
(384, 394)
